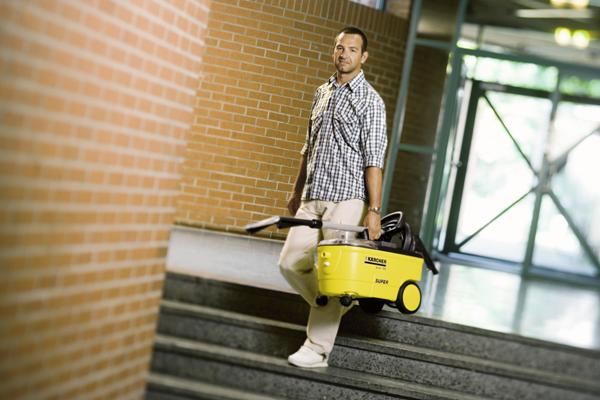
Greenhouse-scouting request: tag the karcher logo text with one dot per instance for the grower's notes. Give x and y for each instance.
(382, 281)
(375, 261)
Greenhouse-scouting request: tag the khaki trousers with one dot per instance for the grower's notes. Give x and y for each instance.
(297, 265)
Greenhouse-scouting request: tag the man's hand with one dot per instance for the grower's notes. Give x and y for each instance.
(294, 204)
(294, 201)
(373, 223)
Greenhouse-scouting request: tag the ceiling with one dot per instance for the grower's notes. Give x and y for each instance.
(535, 15)
(527, 26)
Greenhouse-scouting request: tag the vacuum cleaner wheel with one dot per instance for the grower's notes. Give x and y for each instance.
(322, 301)
(409, 298)
(346, 300)
(371, 306)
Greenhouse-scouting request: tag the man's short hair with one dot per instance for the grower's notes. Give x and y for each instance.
(354, 31)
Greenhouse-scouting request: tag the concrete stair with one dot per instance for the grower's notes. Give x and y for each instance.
(218, 339)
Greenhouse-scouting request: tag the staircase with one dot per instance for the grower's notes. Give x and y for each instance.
(219, 340)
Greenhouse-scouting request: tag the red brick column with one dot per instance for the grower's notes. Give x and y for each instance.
(96, 101)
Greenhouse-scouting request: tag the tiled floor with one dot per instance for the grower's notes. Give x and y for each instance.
(484, 298)
(506, 302)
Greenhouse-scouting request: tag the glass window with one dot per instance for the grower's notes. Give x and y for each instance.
(511, 73)
(377, 4)
(576, 86)
(556, 246)
(497, 175)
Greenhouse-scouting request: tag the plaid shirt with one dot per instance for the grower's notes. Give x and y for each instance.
(346, 134)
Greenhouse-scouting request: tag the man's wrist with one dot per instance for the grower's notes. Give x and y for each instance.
(376, 210)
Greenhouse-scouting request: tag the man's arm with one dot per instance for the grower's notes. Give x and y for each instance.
(374, 145)
(373, 180)
(295, 199)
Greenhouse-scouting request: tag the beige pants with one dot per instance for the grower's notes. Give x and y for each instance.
(297, 265)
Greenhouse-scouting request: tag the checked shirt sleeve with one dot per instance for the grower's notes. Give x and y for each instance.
(374, 139)
(309, 128)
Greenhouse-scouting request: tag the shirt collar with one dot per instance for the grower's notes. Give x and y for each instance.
(354, 84)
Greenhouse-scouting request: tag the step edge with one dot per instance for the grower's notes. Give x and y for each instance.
(483, 366)
(188, 386)
(217, 313)
(528, 374)
(416, 319)
(361, 381)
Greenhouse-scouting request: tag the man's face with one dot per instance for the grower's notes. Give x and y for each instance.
(347, 53)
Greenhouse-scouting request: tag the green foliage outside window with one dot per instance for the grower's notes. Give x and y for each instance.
(575, 85)
(526, 75)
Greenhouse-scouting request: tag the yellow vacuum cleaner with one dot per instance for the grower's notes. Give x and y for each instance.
(374, 272)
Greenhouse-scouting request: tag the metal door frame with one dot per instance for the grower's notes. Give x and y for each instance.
(543, 175)
(431, 222)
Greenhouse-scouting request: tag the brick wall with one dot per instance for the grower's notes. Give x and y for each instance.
(263, 62)
(96, 100)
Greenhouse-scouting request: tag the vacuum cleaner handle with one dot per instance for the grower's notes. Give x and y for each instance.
(282, 223)
(287, 222)
(420, 247)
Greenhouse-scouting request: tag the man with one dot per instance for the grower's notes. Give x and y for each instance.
(339, 181)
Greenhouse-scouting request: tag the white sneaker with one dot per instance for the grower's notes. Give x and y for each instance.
(308, 358)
